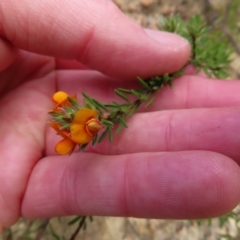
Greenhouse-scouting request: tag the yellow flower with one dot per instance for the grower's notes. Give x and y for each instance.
(61, 99)
(81, 129)
(84, 126)
(65, 146)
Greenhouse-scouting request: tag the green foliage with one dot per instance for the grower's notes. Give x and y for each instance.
(114, 113)
(209, 54)
(223, 221)
(231, 17)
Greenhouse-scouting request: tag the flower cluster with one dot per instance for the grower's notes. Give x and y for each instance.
(80, 125)
(75, 124)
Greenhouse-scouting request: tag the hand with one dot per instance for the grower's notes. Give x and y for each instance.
(180, 162)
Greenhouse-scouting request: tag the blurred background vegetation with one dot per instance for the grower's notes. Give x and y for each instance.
(223, 15)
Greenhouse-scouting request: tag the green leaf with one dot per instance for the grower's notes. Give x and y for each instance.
(133, 110)
(166, 77)
(74, 102)
(178, 73)
(89, 102)
(86, 96)
(110, 135)
(124, 90)
(104, 134)
(54, 234)
(55, 114)
(122, 120)
(137, 94)
(144, 97)
(116, 104)
(119, 128)
(144, 84)
(100, 105)
(155, 88)
(66, 126)
(69, 110)
(59, 118)
(151, 101)
(107, 123)
(121, 95)
(83, 147)
(74, 220)
(110, 106)
(170, 84)
(95, 139)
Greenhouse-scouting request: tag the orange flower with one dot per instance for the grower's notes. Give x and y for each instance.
(82, 128)
(61, 99)
(66, 145)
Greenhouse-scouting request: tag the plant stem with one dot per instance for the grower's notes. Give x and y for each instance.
(81, 224)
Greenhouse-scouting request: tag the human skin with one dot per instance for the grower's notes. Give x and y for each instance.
(178, 159)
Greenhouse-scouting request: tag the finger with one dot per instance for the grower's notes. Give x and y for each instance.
(192, 70)
(70, 64)
(197, 92)
(187, 92)
(151, 185)
(27, 66)
(7, 54)
(23, 122)
(196, 129)
(93, 32)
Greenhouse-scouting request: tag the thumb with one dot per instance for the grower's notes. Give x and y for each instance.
(93, 32)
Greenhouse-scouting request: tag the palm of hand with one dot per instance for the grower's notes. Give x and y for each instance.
(25, 89)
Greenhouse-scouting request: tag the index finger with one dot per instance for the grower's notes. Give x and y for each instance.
(93, 32)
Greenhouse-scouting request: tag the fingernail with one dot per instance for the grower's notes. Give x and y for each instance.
(166, 38)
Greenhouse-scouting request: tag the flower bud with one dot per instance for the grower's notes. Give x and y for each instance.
(93, 125)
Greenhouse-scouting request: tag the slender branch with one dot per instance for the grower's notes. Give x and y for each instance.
(44, 225)
(209, 9)
(231, 39)
(227, 31)
(28, 227)
(226, 15)
(81, 224)
(209, 13)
